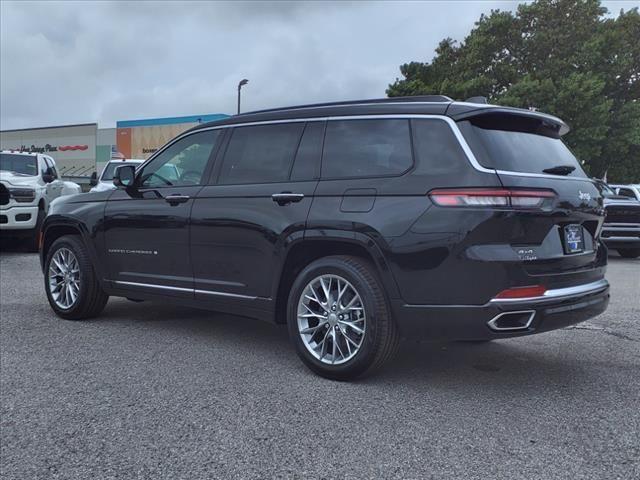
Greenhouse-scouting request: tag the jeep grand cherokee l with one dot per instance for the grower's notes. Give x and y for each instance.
(355, 223)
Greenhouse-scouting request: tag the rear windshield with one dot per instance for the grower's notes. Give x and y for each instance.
(20, 164)
(110, 170)
(518, 151)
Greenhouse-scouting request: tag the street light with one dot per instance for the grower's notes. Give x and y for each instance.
(244, 81)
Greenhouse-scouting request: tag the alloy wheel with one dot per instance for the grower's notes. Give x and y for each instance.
(64, 278)
(331, 319)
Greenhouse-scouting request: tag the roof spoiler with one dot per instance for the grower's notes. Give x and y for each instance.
(553, 126)
(482, 100)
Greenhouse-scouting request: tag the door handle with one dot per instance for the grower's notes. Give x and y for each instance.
(176, 199)
(285, 198)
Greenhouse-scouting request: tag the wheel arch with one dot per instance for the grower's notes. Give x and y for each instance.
(316, 245)
(54, 228)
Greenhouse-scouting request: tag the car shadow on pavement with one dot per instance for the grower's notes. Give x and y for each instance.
(522, 365)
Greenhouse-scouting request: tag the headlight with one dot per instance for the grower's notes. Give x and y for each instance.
(23, 195)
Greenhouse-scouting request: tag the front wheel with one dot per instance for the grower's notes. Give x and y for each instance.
(629, 252)
(70, 281)
(339, 320)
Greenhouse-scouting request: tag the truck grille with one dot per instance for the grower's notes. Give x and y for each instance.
(623, 214)
(4, 195)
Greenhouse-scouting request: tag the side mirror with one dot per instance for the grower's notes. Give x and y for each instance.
(125, 176)
(93, 181)
(48, 177)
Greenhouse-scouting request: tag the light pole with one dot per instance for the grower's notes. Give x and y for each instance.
(244, 81)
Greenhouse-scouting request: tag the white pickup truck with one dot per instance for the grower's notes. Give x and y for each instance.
(29, 182)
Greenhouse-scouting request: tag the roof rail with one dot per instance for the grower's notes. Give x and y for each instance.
(418, 98)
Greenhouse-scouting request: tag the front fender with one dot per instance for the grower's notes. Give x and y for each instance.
(56, 225)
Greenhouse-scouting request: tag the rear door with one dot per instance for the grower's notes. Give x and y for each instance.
(558, 243)
(257, 202)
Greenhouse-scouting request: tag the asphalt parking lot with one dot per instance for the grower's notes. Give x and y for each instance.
(155, 391)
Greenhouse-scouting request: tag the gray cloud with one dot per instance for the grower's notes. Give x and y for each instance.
(71, 62)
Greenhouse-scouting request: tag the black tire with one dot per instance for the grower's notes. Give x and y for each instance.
(34, 236)
(380, 342)
(91, 298)
(629, 252)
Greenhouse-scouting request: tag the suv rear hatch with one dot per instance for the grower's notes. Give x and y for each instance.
(556, 244)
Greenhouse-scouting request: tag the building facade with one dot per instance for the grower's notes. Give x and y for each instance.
(82, 149)
(141, 138)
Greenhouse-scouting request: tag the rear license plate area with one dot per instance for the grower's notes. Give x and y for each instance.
(573, 239)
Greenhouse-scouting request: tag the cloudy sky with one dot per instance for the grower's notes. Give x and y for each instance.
(81, 62)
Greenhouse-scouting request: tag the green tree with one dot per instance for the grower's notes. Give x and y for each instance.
(564, 57)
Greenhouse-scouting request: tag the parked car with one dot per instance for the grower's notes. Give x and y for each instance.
(621, 229)
(630, 191)
(105, 181)
(29, 182)
(355, 223)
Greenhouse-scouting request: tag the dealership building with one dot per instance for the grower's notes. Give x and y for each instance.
(79, 150)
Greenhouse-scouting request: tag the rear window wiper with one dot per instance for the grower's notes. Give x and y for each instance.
(560, 170)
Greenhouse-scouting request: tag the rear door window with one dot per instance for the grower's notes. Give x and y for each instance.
(366, 148)
(514, 145)
(260, 154)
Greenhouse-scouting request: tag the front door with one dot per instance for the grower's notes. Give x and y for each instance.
(147, 226)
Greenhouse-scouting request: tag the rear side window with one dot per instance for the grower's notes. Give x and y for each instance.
(437, 148)
(260, 154)
(517, 147)
(366, 148)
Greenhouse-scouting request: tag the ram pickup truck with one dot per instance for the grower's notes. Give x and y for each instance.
(621, 228)
(29, 182)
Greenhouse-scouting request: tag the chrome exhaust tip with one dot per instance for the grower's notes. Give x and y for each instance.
(512, 321)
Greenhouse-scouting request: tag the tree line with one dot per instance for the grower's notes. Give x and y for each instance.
(564, 57)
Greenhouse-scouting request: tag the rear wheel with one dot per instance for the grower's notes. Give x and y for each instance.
(70, 281)
(339, 320)
(629, 252)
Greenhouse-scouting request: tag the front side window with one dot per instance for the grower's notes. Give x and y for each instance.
(20, 164)
(366, 148)
(260, 154)
(51, 167)
(626, 192)
(181, 164)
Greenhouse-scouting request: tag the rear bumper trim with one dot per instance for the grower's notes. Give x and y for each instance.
(557, 293)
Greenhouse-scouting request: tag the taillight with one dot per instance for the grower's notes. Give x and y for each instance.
(521, 292)
(491, 197)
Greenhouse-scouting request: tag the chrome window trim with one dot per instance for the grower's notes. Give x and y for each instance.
(560, 292)
(452, 124)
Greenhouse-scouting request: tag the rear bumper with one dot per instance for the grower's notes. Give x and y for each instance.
(556, 309)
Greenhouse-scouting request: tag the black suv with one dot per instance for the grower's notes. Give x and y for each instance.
(356, 223)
